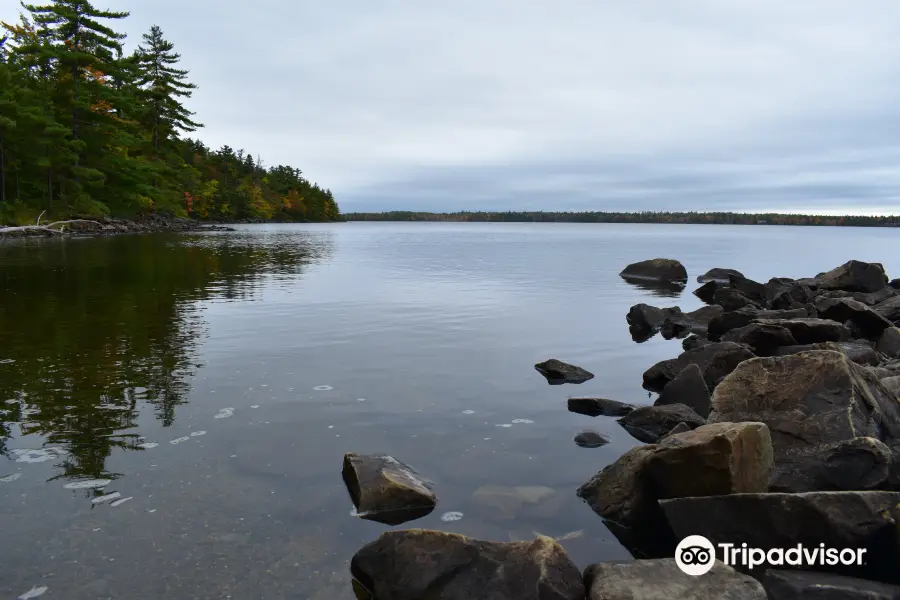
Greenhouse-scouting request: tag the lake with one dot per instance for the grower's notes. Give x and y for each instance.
(217, 379)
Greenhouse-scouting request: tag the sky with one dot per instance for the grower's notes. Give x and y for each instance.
(740, 105)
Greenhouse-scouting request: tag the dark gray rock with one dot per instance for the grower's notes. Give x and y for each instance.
(591, 439)
(889, 343)
(839, 520)
(418, 564)
(892, 384)
(721, 325)
(657, 269)
(645, 320)
(682, 324)
(558, 372)
(384, 489)
(731, 299)
(715, 361)
(895, 283)
(596, 407)
(680, 428)
(889, 309)
(752, 289)
(874, 298)
(688, 388)
(857, 464)
(810, 585)
(762, 339)
(869, 323)
(809, 401)
(782, 293)
(811, 331)
(854, 276)
(649, 423)
(707, 291)
(694, 341)
(718, 275)
(662, 579)
(860, 353)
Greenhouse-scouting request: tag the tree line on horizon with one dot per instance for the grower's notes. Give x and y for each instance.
(721, 218)
(89, 130)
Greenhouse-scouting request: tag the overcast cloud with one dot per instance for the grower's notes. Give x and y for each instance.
(576, 104)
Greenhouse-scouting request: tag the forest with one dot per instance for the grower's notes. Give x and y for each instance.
(720, 218)
(90, 130)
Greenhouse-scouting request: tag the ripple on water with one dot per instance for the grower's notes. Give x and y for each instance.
(27, 455)
(34, 592)
(468, 412)
(224, 413)
(524, 421)
(197, 433)
(323, 388)
(10, 478)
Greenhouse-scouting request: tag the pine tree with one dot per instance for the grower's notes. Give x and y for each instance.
(165, 84)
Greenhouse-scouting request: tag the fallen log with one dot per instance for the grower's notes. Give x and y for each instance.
(26, 228)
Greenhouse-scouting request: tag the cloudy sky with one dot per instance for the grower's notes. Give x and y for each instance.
(571, 105)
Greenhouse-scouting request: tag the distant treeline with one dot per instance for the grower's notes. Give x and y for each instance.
(720, 218)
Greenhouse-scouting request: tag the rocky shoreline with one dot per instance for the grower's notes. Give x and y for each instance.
(108, 226)
(778, 425)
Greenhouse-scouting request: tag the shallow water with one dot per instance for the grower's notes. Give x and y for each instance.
(216, 380)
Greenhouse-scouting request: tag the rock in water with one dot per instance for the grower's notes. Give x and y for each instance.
(870, 323)
(854, 276)
(558, 372)
(662, 579)
(862, 520)
(889, 343)
(419, 564)
(810, 585)
(707, 291)
(385, 490)
(591, 439)
(657, 269)
(808, 401)
(731, 299)
(649, 423)
(510, 502)
(718, 275)
(811, 331)
(763, 339)
(722, 458)
(595, 407)
(714, 360)
(687, 388)
(751, 289)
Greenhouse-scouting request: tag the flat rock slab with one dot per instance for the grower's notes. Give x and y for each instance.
(649, 423)
(889, 309)
(661, 579)
(418, 564)
(812, 331)
(384, 489)
(860, 353)
(657, 269)
(596, 407)
(811, 585)
(857, 520)
(714, 360)
(557, 372)
(727, 321)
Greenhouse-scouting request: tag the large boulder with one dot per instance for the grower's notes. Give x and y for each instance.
(812, 331)
(707, 291)
(839, 520)
(557, 372)
(688, 388)
(649, 423)
(752, 289)
(384, 489)
(861, 463)
(724, 323)
(889, 309)
(596, 407)
(810, 585)
(418, 564)
(718, 275)
(809, 401)
(663, 579)
(763, 339)
(731, 299)
(867, 321)
(783, 293)
(644, 320)
(860, 353)
(854, 276)
(716, 459)
(714, 360)
(623, 494)
(889, 343)
(657, 269)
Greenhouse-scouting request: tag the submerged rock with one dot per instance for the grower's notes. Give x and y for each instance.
(854, 276)
(510, 502)
(810, 585)
(558, 372)
(591, 439)
(714, 360)
(718, 275)
(595, 407)
(688, 388)
(856, 520)
(649, 423)
(663, 579)
(657, 269)
(418, 564)
(384, 489)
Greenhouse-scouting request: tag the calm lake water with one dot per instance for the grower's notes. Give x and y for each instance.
(217, 379)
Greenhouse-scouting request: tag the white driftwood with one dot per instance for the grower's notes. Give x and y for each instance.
(64, 223)
(47, 231)
(40, 216)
